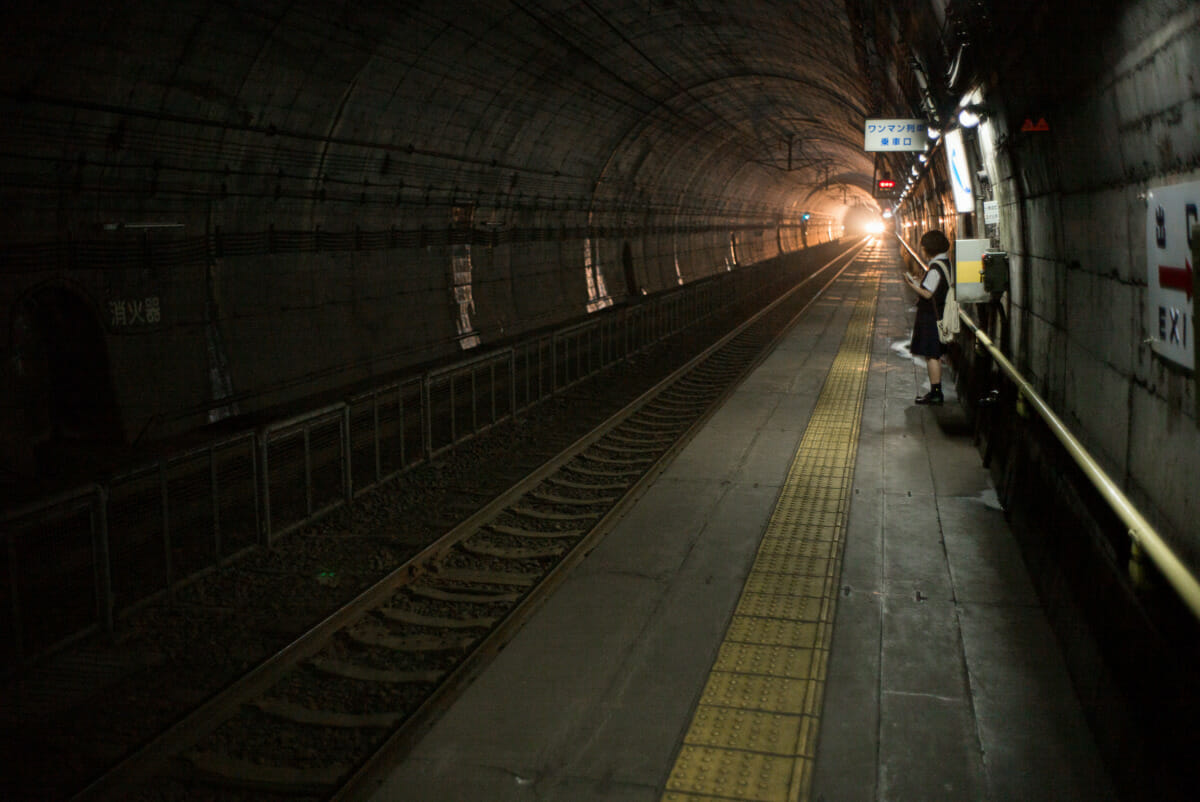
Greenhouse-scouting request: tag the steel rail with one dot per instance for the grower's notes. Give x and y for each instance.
(203, 720)
(367, 777)
(1143, 535)
(370, 775)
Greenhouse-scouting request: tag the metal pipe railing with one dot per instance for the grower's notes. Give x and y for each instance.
(288, 471)
(1143, 535)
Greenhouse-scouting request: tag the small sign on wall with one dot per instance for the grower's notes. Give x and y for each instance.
(909, 136)
(968, 272)
(991, 213)
(1171, 213)
(125, 314)
(960, 172)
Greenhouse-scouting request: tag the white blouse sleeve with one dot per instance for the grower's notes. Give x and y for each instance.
(932, 279)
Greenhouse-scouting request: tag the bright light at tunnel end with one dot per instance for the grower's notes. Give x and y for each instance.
(876, 228)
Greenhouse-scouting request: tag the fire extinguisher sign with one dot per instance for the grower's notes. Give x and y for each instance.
(1170, 214)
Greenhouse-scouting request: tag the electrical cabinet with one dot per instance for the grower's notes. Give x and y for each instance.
(995, 272)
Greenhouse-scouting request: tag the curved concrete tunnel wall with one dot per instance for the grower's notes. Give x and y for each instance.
(266, 202)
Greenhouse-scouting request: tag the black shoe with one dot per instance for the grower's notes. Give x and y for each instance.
(932, 397)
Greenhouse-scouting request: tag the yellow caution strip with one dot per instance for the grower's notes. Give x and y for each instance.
(753, 736)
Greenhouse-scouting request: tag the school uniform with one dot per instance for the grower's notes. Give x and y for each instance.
(925, 340)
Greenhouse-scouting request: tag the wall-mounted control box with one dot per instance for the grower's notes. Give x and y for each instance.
(995, 272)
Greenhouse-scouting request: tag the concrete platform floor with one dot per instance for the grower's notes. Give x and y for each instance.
(945, 682)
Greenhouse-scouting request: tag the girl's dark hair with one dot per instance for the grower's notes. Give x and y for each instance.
(935, 242)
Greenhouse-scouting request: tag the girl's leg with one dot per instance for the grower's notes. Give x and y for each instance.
(934, 396)
(935, 370)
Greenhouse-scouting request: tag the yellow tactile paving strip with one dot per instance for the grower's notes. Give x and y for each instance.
(753, 736)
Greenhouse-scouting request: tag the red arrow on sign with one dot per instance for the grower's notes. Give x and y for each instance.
(1176, 278)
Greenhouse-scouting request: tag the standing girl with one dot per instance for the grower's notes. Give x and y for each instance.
(931, 291)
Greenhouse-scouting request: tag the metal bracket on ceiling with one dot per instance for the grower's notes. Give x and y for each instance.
(928, 106)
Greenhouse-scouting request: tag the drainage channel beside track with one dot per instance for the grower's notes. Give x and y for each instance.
(326, 715)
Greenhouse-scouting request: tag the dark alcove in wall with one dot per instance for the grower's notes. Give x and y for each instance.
(62, 381)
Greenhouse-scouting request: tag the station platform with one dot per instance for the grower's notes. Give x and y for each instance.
(819, 599)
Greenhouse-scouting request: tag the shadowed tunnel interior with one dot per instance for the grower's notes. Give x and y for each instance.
(261, 204)
(367, 186)
(220, 213)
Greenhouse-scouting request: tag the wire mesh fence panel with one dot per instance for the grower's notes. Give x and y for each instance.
(600, 347)
(574, 356)
(527, 374)
(136, 543)
(584, 356)
(236, 488)
(466, 406)
(707, 301)
(489, 382)
(612, 340)
(443, 422)
(635, 329)
(500, 376)
(53, 564)
(328, 463)
(389, 428)
(399, 428)
(544, 369)
(365, 421)
(595, 348)
(562, 361)
(648, 326)
(571, 356)
(191, 523)
(286, 481)
(412, 419)
(484, 388)
(587, 356)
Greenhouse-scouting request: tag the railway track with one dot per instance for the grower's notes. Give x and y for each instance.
(326, 716)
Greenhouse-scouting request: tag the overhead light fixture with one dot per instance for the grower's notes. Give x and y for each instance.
(922, 158)
(933, 133)
(123, 226)
(970, 116)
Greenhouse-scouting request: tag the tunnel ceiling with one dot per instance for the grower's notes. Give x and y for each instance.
(655, 108)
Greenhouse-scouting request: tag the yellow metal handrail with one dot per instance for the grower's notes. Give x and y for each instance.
(1141, 532)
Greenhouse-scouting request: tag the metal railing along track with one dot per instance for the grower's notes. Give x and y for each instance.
(1143, 535)
(434, 560)
(157, 526)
